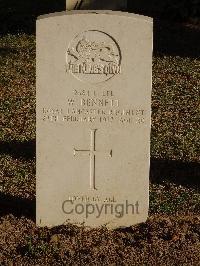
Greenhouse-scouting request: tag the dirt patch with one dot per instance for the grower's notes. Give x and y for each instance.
(161, 240)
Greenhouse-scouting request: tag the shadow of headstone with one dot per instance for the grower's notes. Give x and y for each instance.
(17, 206)
(17, 149)
(181, 173)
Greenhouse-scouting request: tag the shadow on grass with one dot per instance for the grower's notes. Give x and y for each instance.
(181, 173)
(25, 150)
(4, 51)
(17, 206)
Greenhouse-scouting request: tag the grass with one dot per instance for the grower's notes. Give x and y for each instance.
(175, 109)
(173, 227)
(17, 83)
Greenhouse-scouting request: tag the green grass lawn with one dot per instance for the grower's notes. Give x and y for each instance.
(174, 221)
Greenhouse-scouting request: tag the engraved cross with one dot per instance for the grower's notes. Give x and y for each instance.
(92, 154)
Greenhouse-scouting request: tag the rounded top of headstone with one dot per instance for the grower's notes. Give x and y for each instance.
(97, 13)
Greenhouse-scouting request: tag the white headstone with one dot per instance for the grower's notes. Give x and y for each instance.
(93, 118)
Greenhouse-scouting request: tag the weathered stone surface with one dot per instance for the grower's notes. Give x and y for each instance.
(93, 118)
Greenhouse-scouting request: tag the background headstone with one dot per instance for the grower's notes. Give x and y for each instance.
(96, 4)
(93, 118)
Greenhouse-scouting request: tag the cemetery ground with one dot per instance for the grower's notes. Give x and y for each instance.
(171, 236)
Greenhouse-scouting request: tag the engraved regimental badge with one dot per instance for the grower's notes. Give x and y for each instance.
(93, 57)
